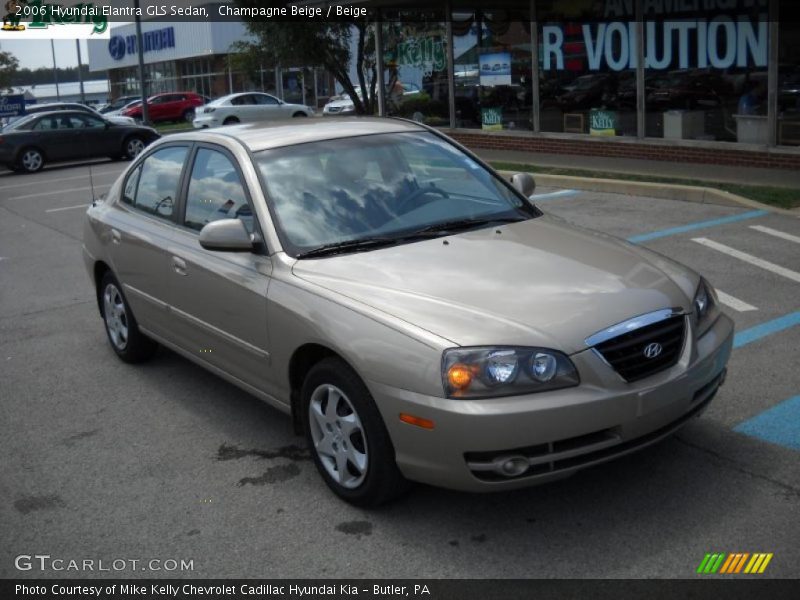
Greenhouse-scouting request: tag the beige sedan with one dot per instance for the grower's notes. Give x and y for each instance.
(414, 312)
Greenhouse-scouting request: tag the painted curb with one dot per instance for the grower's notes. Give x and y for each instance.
(665, 191)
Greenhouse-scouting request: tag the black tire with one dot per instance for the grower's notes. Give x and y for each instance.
(299, 114)
(30, 160)
(133, 146)
(136, 347)
(188, 115)
(383, 481)
(231, 121)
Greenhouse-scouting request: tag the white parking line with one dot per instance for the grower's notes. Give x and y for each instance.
(779, 234)
(84, 205)
(734, 303)
(749, 258)
(60, 179)
(56, 192)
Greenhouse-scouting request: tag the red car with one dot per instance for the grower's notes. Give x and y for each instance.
(170, 106)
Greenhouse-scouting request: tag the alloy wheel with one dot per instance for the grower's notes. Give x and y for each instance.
(32, 160)
(338, 436)
(115, 316)
(134, 147)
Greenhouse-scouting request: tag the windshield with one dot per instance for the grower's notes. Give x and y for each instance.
(380, 188)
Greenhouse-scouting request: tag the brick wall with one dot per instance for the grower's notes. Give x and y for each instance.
(639, 150)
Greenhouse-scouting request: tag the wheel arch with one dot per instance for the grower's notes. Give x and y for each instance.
(302, 361)
(98, 272)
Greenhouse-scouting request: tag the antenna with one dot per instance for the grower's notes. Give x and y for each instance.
(91, 183)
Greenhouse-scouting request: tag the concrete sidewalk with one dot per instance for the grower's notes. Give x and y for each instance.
(701, 172)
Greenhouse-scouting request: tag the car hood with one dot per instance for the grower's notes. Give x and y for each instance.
(538, 282)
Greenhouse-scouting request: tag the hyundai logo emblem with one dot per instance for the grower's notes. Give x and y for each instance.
(116, 47)
(653, 350)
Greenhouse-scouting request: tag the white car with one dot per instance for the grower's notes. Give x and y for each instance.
(343, 104)
(246, 107)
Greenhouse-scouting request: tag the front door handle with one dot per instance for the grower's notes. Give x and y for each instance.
(179, 265)
(116, 236)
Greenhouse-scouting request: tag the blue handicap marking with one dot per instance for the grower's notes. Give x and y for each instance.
(778, 425)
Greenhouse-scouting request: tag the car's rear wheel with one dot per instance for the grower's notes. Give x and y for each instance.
(299, 114)
(188, 115)
(230, 121)
(130, 344)
(31, 160)
(348, 439)
(133, 146)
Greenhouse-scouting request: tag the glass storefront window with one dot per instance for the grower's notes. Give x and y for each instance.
(415, 59)
(587, 69)
(706, 78)
(492, 69)
(788, 76)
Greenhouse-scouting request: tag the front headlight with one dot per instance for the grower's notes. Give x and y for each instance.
(704, 307)
(493, 371)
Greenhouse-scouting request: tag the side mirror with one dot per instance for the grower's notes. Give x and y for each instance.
(525, 183)
(226, 235)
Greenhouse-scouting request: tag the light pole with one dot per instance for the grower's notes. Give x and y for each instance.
(55, 69)
(139, 51)
(80, 68)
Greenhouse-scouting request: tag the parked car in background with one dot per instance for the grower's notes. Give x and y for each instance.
(342, 104)
(34, 140)
(412, 309)
(119, 111)
(118, 104)
(170, 106)
(247, 107)
(51, 106)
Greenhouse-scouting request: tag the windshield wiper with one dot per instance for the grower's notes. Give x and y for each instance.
(462, 224)
(347, 245)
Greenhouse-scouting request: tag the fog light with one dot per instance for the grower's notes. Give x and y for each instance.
(543, 366)
(513, 466)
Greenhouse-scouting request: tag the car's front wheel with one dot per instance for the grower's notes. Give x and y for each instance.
(188, 115)
(347, 436)
(130, 344)
(299, 114)
(31, 160)
(133, 147)
(230, 121)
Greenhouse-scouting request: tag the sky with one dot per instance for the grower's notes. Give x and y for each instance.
(36, 53)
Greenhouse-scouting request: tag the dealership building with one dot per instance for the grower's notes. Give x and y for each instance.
(196, 56)
(700, 81)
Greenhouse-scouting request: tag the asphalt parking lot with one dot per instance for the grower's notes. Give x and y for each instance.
(103, 460)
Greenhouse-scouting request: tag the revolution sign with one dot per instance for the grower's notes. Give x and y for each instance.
(721, 42)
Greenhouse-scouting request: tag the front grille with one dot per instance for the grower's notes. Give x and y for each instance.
(626, 352)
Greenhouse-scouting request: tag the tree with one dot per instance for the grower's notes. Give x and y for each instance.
(316, 43)
(8, 67)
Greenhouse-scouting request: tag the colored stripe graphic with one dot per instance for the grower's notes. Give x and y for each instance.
(645, 237)
(728, 564)
(703, 563)
(731, 560)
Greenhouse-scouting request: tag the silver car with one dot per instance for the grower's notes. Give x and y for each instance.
(412, 310)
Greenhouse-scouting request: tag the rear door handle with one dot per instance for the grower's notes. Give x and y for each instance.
(179, 265)
(116, 236)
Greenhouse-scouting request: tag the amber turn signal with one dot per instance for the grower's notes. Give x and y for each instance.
(418, 421)
(459, 376)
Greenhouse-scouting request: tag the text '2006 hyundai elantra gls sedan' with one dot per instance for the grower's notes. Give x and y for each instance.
(413, 311)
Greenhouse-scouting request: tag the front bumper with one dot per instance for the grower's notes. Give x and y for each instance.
(557, 432)
(203, 122)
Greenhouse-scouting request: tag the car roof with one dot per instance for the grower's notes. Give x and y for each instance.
(53, 105)
(276, 134)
